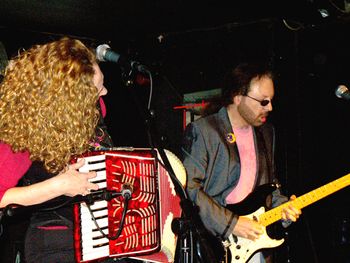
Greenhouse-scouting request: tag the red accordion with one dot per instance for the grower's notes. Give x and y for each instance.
(146, 234)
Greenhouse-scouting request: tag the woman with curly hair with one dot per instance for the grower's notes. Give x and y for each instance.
(49, 112)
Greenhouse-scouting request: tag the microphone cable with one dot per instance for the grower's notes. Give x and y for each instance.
(127, 197)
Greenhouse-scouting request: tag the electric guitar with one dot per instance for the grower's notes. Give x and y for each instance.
(242, 249)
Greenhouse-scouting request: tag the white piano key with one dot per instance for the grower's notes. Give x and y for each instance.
(90, 167)
(102, 185)
(96, 253)
(95, 205)
(90, 243)
(94, 158)
(100, 175)
(89, 234)
(98, 179)
(96, 214)
(88, 227)
(97, 233)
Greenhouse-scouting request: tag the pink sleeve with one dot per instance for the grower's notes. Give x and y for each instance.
(103, 107)
(12, 167)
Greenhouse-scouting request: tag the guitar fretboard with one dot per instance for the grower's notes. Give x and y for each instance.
(275, 214)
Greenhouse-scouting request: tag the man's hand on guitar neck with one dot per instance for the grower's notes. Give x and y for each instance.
(290, 212)
(248, 228)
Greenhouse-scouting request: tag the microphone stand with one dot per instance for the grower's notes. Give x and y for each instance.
(189, 227)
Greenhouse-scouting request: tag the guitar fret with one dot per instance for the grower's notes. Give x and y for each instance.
(275, 214)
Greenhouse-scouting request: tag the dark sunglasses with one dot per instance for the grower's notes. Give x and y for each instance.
(262, 102)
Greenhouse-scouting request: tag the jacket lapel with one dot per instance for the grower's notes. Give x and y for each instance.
(227, 134)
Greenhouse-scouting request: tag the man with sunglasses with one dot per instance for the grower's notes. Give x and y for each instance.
(229, 153)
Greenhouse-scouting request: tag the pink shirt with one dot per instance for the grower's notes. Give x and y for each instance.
(246, 149)
(12, 167)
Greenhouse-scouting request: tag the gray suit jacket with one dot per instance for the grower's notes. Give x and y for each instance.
(212, 163)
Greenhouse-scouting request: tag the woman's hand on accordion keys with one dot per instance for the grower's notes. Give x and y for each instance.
(69, 182)
(73, 182)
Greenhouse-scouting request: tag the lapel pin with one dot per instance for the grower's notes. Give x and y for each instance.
(230, 138)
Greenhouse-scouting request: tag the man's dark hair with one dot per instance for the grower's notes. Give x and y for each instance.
(237, 80)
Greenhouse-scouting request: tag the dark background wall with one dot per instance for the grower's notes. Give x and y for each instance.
(188, 47)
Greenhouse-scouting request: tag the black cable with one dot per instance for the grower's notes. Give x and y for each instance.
(56, 207)
(127, 197)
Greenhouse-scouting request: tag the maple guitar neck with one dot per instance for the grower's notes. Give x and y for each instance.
(275, 214)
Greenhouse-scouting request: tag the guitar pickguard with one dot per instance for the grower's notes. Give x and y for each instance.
(243, 249)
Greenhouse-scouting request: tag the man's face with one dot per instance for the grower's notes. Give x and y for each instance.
(98, 81)
(249, 107)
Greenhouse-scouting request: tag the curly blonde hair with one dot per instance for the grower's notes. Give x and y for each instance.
(48, 102)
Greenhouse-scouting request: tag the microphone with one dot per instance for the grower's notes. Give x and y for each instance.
(104, 194)
(105, 53)
(342, 92)
(97, 195)
(127, 191)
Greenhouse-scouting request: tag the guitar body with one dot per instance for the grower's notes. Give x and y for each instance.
(242, 249)
(253, 201)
